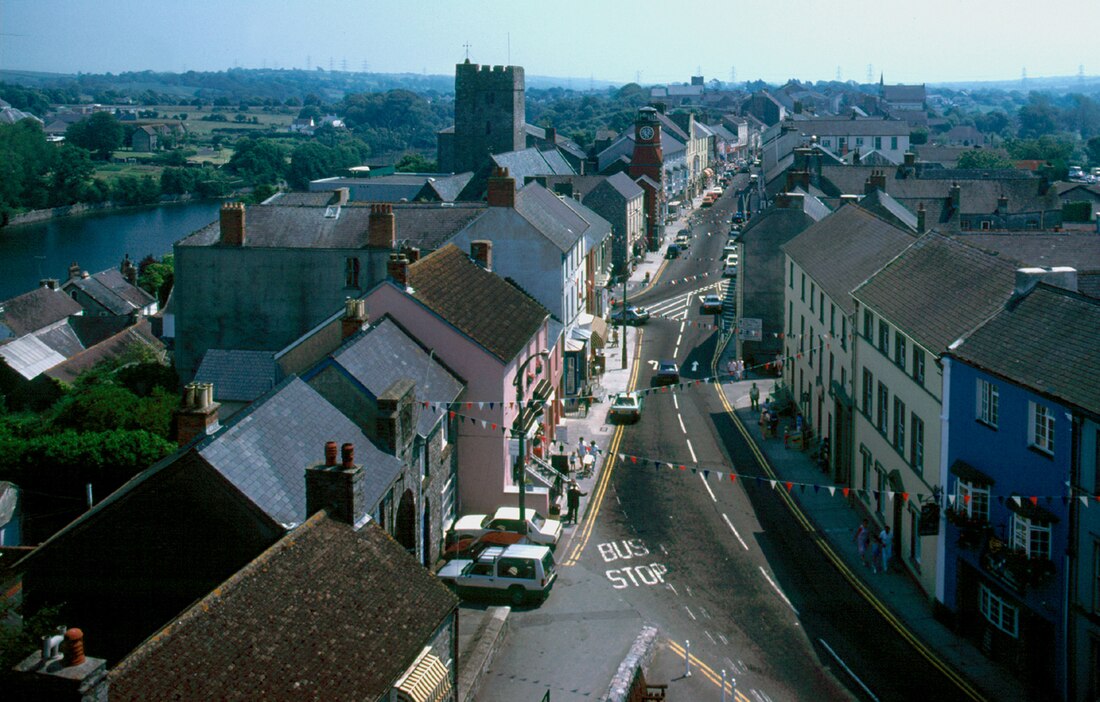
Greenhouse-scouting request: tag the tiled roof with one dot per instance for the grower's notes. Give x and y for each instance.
(384, 354)
(34, 310)
(118, 345)
(238, 375)
(844, 249)
(1047, 341)
(885, 206)
(531, 162)
(327, 613)
(481, 305)
(265, 450)
(1035, 248)
(938, 289)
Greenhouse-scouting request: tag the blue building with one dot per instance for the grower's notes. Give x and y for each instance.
(1019, 390)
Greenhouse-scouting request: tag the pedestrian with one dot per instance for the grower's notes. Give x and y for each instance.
(573, 501)
(876, 552)
(863, 536)
(594, 450)
(754, 397)
(887, 547)
(731, 366)
(740, 369)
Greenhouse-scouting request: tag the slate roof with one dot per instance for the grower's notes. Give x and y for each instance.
(1046, 341)
(531, 162)
(423, 225)
(324, 613)
(1035, 248)
(265, 449)
(844, 249)
(238, 375)
(139, 334)
(843, 126)
(550, 215)
(446, 188)
(483, 306)
(34, 310)
(938, 289)
(885, 206)
(320, 198)
(384, 354)
(903, 93)
(111, 290)
(625, 186)
(29, 356)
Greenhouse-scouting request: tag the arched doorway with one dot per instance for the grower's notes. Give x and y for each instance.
(426, 533)
(406, 522)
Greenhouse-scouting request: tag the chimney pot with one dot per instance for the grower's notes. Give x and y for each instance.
(355, 316)
(330, 453)
(381, 229)
(347, 455)
(73, 648)
(398, 269)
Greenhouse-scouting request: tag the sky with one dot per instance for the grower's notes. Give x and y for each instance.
(907, 41)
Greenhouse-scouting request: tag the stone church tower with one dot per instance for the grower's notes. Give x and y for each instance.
(490, 117)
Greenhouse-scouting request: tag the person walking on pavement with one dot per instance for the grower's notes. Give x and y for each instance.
(876, 551)
(573, 501)
(887, 547)
(754, 397)
(862, 538)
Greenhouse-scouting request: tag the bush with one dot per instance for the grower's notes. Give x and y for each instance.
(1077, 212)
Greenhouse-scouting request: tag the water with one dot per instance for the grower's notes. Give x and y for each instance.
(30, 252)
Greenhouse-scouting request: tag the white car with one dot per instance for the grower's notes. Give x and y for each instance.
(627, 407)
(520, 572)
(539, 530)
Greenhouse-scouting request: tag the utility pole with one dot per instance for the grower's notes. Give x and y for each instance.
(519, 431)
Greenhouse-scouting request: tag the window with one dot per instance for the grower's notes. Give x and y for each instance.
(884, 337)
(425, 468)
(844, 333)
(1096, 576)
(914, 533)
(811, 347)
(792, 275)
(802, 334)
(918, 365)
(1032, 538)
(878, 143)
(899, 350)
(859, 141)
(916, 444)
(831, 361)
(894, 143)
(899, 424)
(790, 317)
(883, 407)
(880, 486)
(820, 358)
(844, 377)
(821, 307)
(444, 432)
(832, 319)
(998, 612)
(972, 500)
(803, 287)
(868, 325)
(813, 294)
(351, 272)
(868, 391)
(826, 142)
(1042, 427)
(865, 470)
(987, 403)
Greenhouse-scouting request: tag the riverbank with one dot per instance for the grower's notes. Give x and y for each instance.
(82, 208)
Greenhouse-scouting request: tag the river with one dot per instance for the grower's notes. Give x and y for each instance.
(30, 252)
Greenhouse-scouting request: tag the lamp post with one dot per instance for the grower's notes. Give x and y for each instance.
(519, 432)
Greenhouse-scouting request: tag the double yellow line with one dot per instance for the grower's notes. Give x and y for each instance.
(857, 583)
(605, 475)
(707, 671)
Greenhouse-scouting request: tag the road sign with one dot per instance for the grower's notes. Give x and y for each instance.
(749, 329)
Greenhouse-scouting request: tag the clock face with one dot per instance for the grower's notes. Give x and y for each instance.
(646, 133)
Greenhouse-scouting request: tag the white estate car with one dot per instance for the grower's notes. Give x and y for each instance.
(626, 407)
(519, 572)
(539, 529)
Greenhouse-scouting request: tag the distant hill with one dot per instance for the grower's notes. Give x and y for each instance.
(1055, 84)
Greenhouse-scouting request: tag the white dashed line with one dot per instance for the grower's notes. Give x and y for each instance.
(683, 324)
(678, 338)
(673, 589)
(710, 637)
(675, 401)
(682, 427)
(712, 497)
(690, 614)
(778, 591)
(693, 459)
(730, 525)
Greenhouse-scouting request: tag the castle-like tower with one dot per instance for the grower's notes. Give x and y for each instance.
(490, 116)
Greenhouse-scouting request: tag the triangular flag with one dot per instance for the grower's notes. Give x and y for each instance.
(706, 474)
(494, 425)
(733, 477)
(774, 483)
(694, 471)
(904, 497)
(789, 485)
(1034, 500)
(845, 491)
(832, 491)
(1084, 500)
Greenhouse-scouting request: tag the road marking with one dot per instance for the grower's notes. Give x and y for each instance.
(654, 364)
(689, 592)
(678, 338)
(663, 549)
(682, 427)
(707, 672)
(675, 401)
(670, 587)
(778, 591)
(725, 642)
(693, 459)
(704, 612)
(712, 497)
(847, 669)
(690, 614)
(730, 525)
(710, 637)
(683, 324)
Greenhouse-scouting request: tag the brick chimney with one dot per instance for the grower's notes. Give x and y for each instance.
(412, 252)
(877, 181)
(397, 268)
(128, 270)
(337, 487)
(382, 234)
(954, 196)
(232, 224)
(198, 413)
(481, 251)
(502, 189)
(855, 157)
(910, 158)
(59, 672)
(395, 423)
(355, 316)
(921, 226)
(74, 270)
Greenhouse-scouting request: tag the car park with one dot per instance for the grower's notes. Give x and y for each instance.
(668, 373)
(626, 407)
(712, 304)
(538, 529)
(631, 315)
(520, 572)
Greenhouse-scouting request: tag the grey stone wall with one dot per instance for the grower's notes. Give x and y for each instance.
(490, 113)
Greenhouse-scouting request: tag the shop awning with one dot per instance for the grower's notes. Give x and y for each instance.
(708, 172)
(1027, 509)
(426, 680)
(599, 332)
(969, 474)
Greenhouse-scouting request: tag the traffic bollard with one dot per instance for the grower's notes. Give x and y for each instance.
(687, 658)
(723, 685)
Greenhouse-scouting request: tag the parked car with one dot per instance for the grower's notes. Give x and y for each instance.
(730, 269)
(712, 304)
(683, 241)
(738, 217)
(673, 251)
(729, 248)
(631, 315)
(626, 407)
(538, 529)
(668, 373)
(470, 547)
(519, 572)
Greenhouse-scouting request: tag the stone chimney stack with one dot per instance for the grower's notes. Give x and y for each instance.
(341, 196)
(397, 268)
(128, 270)
(954, 196)
(502, 189)
(381, 232)
(355, 316)
(878, 181)
(481, 251)
(910, 158)
(232, 224)
(198, 413)
(551, 136)
(337, 487)
(921, 225)
(59, 672)
(1002, 204)
(395, 423)
(74, 270)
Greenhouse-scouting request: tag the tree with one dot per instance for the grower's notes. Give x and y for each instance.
(918, 136)
(101, 134)
(259, 160)
(1093, 148)
(984, 158)
(72, 171)
(1037, 117)
(156, 277)
(415, 163)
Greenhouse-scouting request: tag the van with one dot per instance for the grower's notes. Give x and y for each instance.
(519, 572)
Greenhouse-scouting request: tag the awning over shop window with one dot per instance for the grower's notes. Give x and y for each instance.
(426, 680)
(1024, 507)
(969, 474)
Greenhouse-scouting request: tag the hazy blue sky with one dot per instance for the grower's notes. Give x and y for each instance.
(907, 40)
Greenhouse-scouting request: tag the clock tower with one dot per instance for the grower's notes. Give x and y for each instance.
(648, 161)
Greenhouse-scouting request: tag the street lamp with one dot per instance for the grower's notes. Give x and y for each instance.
(519, 431)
